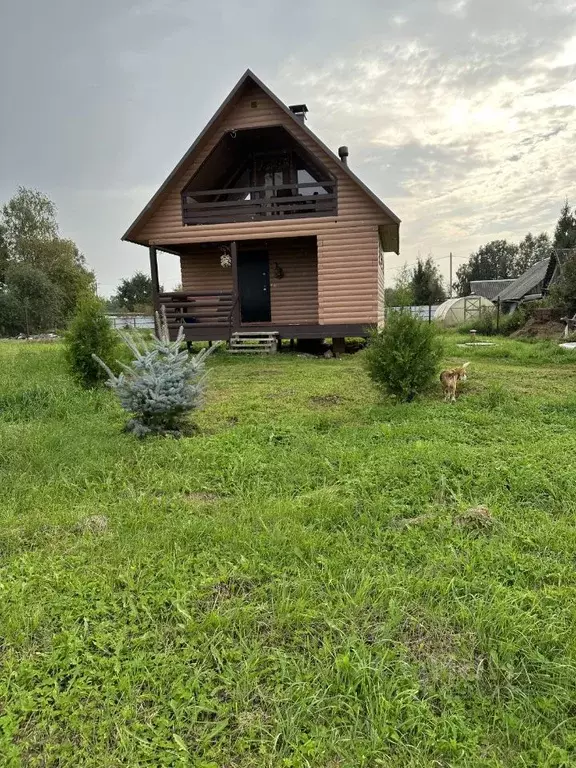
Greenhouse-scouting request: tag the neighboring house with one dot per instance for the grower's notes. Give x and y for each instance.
(530, 286)
(489, 288)
(274, 231)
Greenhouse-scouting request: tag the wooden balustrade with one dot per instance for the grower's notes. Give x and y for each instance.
(197, 307)
(256, 203)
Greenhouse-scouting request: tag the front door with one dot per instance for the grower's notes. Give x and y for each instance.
(254, 286)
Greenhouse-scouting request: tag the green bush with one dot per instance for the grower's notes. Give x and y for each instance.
(402, 358)
(90, 334)
(487, 324)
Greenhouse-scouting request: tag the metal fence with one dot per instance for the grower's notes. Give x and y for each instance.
(139, 322)
(424, 312)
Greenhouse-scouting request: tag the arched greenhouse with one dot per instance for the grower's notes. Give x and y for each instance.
(463, 309)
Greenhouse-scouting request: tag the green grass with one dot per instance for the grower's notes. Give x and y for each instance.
(260, 597)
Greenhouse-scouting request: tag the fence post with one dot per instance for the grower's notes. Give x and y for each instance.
(498, 315)
(429, 313)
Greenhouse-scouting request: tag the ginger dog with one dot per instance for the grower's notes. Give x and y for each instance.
(450, 381)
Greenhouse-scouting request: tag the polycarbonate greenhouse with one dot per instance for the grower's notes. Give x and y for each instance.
(462, 310)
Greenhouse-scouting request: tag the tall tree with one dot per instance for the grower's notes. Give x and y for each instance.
(3, 253)
(61, 261)
(565, 232)
(495, 260)
(52, 274)
(37, 302)
(135, 293)
(427, 283)
(531, 250)
(27, 217)
(400, 294)
(564, 290)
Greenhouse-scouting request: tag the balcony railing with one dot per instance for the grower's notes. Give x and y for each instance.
(260, 203)
(199, 308)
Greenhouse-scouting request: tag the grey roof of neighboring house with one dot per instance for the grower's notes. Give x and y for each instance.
(489, 288)
(525, 284)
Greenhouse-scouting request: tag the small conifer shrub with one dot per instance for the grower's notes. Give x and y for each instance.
(402, 358)
(161, 385)
(90, 334)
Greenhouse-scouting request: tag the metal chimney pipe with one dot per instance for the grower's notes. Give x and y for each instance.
(343, 153)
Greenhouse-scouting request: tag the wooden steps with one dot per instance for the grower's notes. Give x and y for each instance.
(254, 342)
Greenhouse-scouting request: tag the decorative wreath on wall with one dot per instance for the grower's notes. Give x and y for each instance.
(225, 257)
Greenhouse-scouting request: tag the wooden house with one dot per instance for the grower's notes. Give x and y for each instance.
(273, 230)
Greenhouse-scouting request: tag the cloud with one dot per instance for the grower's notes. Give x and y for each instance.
(464, 144)
(453, 7)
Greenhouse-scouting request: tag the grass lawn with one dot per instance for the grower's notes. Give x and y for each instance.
(260, 596)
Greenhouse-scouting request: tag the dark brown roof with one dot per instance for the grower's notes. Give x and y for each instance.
(246, 77)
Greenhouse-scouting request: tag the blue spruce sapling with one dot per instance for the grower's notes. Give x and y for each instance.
(162, 384)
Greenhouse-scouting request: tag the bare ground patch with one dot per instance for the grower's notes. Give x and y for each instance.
(202, 497)
(440, 652)
(326, 400)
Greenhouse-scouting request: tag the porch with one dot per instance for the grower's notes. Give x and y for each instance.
(254, 285)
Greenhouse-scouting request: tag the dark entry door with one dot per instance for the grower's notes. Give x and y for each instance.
(254, 286)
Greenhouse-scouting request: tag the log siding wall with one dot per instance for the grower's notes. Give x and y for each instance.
(347, 263)
(201, 270)
(293, 297)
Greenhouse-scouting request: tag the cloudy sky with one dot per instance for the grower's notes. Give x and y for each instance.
(460, 114)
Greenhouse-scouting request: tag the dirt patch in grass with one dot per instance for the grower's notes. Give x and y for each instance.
(475, 519)
(406, 522)
(202, 497)
(280, 394)
(326, 400)
(92, 524)
(535, 329)
(227, 589)
(439, 652)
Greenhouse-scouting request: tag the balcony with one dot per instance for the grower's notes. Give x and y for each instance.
(289, 201)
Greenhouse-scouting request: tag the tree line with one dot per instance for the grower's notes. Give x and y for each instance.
(498, 259)
(44, 276)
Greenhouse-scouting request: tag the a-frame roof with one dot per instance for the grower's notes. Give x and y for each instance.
(246, 78)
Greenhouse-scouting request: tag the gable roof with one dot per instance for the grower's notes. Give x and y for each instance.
(249, 76)
(525, 285)
(489, 288)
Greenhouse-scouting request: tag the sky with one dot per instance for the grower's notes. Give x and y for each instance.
(459, 114)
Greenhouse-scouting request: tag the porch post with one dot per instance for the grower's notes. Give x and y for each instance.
(154, 276)
(235, 289)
